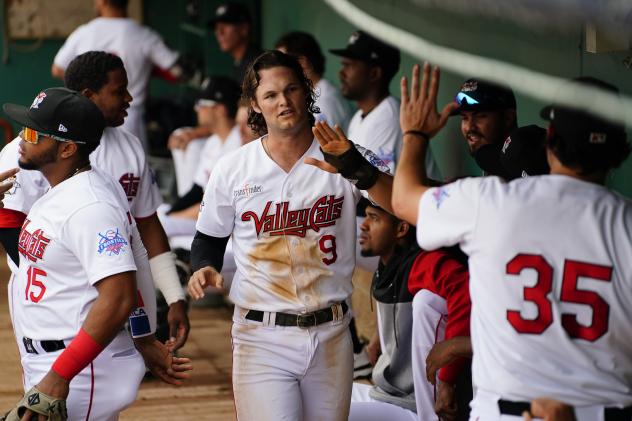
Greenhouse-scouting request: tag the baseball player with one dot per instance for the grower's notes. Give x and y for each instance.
(488, 113)
(76, 275)
(232, 25)
(416, 292)
(333, 108)
(550, 289)
(293, 238)
(101, 77)
(216, 108)
(140, 48)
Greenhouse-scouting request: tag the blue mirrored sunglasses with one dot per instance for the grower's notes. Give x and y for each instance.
(464, 99)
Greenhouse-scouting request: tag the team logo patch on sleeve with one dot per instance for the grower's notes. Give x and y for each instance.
(111, 242)
(440, 195)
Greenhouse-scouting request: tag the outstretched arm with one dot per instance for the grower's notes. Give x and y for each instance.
(343, 158)
(419, 121)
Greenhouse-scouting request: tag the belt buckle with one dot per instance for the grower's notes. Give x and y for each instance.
(305, 320)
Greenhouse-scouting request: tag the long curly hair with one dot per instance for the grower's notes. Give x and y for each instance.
(268, 60)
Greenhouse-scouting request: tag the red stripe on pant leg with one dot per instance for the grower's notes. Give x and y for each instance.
(91, 390)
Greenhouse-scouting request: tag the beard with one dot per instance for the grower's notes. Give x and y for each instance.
(367, 253)
(36, 163)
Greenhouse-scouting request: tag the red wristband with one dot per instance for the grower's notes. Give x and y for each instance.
(77, 355)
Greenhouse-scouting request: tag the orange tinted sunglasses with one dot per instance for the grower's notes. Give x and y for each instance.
(33, 136)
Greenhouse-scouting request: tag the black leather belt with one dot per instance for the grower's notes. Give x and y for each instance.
(48, 346)
(517, 408)
(303, 320)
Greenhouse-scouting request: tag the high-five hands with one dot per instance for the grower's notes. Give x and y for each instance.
(331, 141)
(418, 110)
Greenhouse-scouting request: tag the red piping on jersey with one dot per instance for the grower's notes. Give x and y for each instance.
(91, 390)
(10, 218)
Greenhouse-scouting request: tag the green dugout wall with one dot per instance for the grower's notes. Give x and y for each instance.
(557, 53)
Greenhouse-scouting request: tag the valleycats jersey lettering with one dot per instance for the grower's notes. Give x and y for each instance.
(323, 213)
(32, 245)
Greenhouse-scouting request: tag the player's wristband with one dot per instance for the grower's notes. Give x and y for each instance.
(417, 133)
(163, 270)
(354, 167)
(77, 355)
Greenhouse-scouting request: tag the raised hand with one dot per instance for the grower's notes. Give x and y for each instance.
(6, 182)
(203, 278)
(418, 110)
(332, 141)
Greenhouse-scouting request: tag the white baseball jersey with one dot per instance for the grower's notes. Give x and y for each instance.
(379, 131)
(119, 154)
(334, 109)
(138, 46)
(293, 233)
(214, 149)
(74, 236)
(550, 283)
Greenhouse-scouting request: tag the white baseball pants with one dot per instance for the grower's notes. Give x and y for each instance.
(289, 373)
(103, 389)
(429, 321)
(365, 408)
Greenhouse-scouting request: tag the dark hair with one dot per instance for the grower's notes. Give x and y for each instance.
(590, 159)
(118, 4)
(90, 70)
(303, 44)
(571, 130)
(267, 60)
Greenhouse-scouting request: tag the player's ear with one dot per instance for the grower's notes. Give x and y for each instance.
(375, 73)
(254, 106)
(87, 92)
(402, 229)
(68, 149)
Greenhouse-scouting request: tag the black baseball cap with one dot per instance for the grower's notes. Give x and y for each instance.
(231, 12)
(364, 47)
(587, 130)
(522, 154)
(61, 112)
(480, 95)
(220, 89)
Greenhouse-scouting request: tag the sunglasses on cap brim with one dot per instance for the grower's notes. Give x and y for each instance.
(33, 136)
(464, 99)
